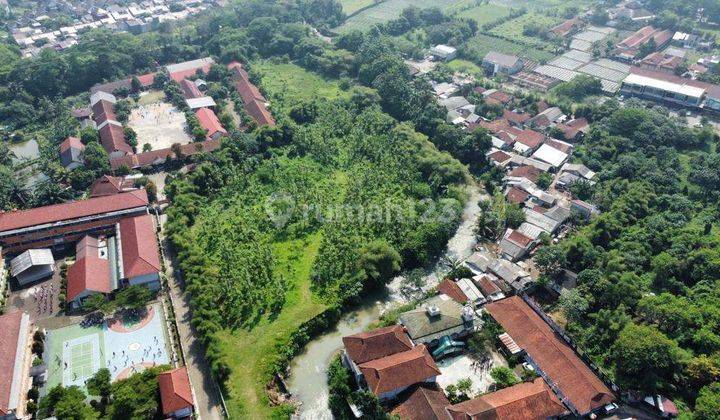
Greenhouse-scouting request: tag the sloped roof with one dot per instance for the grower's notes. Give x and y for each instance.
(209, 121)
(88, 273)
(504, 60)
(149, 158)
(112, 138)
(450, 288)
(554, 357)
(530, 173)
(175, 392)
(189, 89)
(519, 239)
(399, 370)
(499, 156)
(71, 143)
(72, 210)
(103, 110)
(139, 246)
(422, 402)
(30, 258)
(10, 325)
(487, 285)
(110, 185)
(516, 195)
(186, 69)
(253, 100)
(528, 401)
(370, 345)
(419, 324)
(530, 138)
(516, 117)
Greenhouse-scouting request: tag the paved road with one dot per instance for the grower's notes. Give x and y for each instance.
(206, 393)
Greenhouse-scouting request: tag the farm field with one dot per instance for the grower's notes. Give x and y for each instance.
(481, 44)
(251, 353)
(543, 4)
(485, 13)
(391, 9)
(287, 83)
(513, 29)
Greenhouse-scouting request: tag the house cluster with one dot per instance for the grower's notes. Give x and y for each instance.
(32, 33)
(398, 363)
(112, 234)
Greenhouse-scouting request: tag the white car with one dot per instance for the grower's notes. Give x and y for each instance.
(610, 408)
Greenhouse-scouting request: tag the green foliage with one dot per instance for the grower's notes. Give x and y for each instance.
(99, 383)
(578, 88)
(66, 403)
(504, 377)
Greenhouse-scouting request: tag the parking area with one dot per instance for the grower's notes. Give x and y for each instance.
(159, 124)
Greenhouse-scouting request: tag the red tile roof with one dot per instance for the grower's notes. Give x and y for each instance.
(68, 211)
(370, 345)
(109, 185)
(450, 288)
(147, 79)
(565, 28)
(498, 97)
(71, 143)
(573, 127)
(559, 145)
(422, 402)
(515, 117)
(399, 370)
(516, 195)
(175, 392)
(89, 272)
(112, 138)
(210, 122)
(10, 326)
(139, 246)
(519, 239)
(487, 286)
(253, 100)
(712, 90)
(190, 90)
(499, 156)
(530, 138)
(102, 111)
(183, 74)
(528, 172)
(527, 401)
(553, 355)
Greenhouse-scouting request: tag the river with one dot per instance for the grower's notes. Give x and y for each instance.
(308, 371)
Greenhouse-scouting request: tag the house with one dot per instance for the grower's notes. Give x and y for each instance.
(566, 28)
(443, 52)
(574, 129)
(474, 297)
(514, 245)
(530, 173)
(444, 89)
(389, 376)
(547, 118)
(668, 88)
(15, 359)
(526, 400)
(516, 119)
(499, 158)
(510, 273)
(425, 401)
(662, 61)
(586, 209)
(437, 317)
(495, 62)
(255, 103)
(32, 265)
(450, 288)
(560, 145)
(488, 285)
(551, 155)
(210, 122)
(478, 262)
(175, 394)
(551, 355)
(497, 97)
(139, 249)
(516, 196)
(579, 170)
(160, 156)
(186, 69)
(190, 89)
(59, 224)
(530, 230)
(112, 138)
(542, 221)
(528, 141)
(71, 153)
(629, 47)
(111, 185)
(371, 345)
(91, 272)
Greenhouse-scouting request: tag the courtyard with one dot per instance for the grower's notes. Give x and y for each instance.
(158, 124)
(124, 344)
(464, 366)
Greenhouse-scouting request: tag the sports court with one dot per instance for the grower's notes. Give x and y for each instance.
(124, 346)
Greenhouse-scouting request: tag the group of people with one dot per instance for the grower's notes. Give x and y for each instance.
(150, 352)
(43, 296)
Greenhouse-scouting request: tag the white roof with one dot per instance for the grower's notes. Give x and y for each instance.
(444, 49)
(30, 258)
(470, 290)
(188, 65)
(638, 80)
(201, 102)
(530, 230)
(100, 95)
(550, 155)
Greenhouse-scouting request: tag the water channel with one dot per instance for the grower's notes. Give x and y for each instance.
(308, 381)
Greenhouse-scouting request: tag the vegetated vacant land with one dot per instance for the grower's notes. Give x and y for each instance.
(513, 29)
(481, 44)
(391, 9)
(351, 6)
(252, 352)
(288, 83)
(485, 13)
(546, 4)
(464, 66)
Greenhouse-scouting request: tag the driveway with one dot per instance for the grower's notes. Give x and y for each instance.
(205, 389)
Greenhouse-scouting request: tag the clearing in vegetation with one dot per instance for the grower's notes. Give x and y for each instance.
(485, 13)
(391, 9)
(513, 30)
(352, 6)
(482, 44)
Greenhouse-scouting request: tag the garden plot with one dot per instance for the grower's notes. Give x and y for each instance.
(391, 9)
(158, 124)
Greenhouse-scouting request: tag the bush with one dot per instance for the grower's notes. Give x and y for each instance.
(504, 377)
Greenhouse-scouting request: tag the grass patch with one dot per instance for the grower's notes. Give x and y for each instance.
(485, 13)
(352, 6)
(482, 44)
(464, 66)
(152, 97)
(251, 353)
(391, 9)
(288, 83)
(513, 29)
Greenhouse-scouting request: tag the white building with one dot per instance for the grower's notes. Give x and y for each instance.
(444, 52)
(32, 265)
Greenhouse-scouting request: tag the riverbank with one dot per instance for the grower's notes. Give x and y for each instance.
(307, 381)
